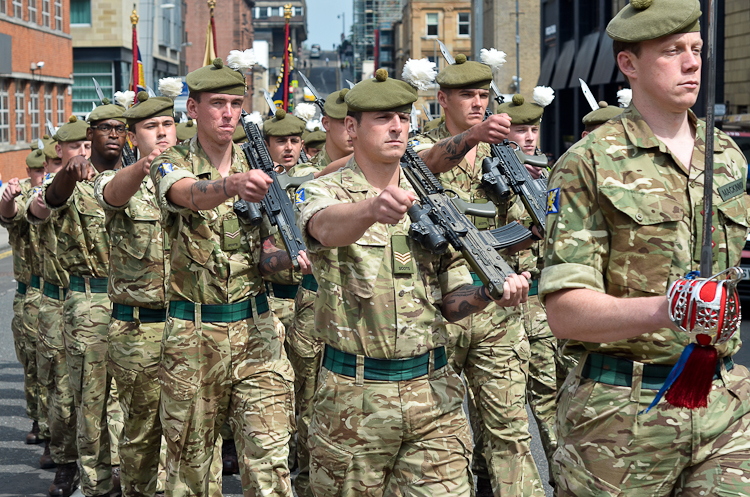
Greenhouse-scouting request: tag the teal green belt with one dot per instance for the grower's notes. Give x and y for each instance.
(21, 288)
(345, 364)
(97, 285)
(123, 312)
(53, 291)
(618, 371)
(36, 281)
(309, 283)
(533, 284)
(219, 313)
(281, 291)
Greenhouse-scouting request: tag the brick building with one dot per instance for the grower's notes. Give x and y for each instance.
(36, 69)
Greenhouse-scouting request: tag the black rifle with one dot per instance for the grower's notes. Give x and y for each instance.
(276, 204)
(437, 222)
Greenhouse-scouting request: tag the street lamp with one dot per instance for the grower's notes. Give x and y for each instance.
(342, 16)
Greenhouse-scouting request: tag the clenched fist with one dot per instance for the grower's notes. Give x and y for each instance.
(390, 206)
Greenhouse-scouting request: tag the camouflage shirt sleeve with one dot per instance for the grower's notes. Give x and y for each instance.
(311, 198)
(166, 170)
(99, 183)
(61, 207)
(20, 202)
(576, 228)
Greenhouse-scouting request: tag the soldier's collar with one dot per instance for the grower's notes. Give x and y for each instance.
(639, 132)
(353, 179)
(204, 166)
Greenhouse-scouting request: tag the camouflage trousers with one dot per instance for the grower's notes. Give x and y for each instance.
(607, 449)
(54, 376)
(283, 309)
(213, 371)
(25, 331)
(374, 438)
(492, 351)
(133, 361)
(542, 386)
(98, 412)
(304, 354)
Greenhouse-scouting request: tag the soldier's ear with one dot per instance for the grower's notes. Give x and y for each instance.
(627, 62)
(351, 126)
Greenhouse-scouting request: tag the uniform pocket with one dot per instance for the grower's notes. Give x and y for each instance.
(734, 219)
(132, 238)
(643, 238)
(176, 409)
(328, 466)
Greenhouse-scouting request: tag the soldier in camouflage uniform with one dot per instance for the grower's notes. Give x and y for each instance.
(314, 141)
(222, 356)
(70, 142)
(490, 347)
(541, 388)
(185, 131)
(137, 289)
(83, 245)
(386, 402)
(303, 350)
(24, 240)
(624, 220)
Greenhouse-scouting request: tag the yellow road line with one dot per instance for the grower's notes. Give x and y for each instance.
(6, 254)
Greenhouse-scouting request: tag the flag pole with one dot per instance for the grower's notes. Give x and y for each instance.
(134, 72)
(287, 17)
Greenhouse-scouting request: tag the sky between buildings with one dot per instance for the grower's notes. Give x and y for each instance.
(323, 27)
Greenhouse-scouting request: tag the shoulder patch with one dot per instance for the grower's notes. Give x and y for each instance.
(731, 190)
(299, 196)
(166, 168)
(413, 142)
(553, 201)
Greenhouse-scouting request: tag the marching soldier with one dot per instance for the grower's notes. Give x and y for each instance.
(597, 117)
(185, 131)
(83, 248)
(283, 134)
(386, 400)
(635, 187)
(70, 143)
(491, 347)
(222, 355)
(24, 240)
(314, 141)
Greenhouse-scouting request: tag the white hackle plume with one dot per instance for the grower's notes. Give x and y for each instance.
(312, 124)
(183, 117)
(125, 98)
(544, 95)
(254, 117)
(420, 73)
(624, 97)
(305, 111)
(170, 87)
(241, 60)
(492, 57)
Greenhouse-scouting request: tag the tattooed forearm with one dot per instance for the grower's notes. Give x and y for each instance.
(462, 302)
(447, 153)
(202, 186)
(272, 258)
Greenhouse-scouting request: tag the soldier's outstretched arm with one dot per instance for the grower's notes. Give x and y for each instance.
(128, 180)
(343, 224)
(198, 195)
(274, 259)
(62, 186)
(8, 207)
(591, 316)
(448, 152)
(333, 166)
(469, 299)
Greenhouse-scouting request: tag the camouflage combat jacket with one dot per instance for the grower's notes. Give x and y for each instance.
(52, 271)
(202, 270)
(624, 218)
(18, 236)
(82, 240)
(362, 307)
(138, 262)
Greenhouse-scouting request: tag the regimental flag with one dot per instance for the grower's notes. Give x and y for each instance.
(278, 93)
(210, 52)
(137, 81)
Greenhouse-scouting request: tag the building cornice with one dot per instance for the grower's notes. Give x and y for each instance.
(34, 26)
(40, 78)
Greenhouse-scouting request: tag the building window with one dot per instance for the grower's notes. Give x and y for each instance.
(60, 105)
(17, 9)
(464, 24)
(47, 106)
(435, 109)
(3, 7)
(45, 13)
(58, 15)
(269, 11)
(432, 24)
(80, 12)
(20, 112)
(281, 11)
(84, 93)
(4, 112)
(32, 11)
(34, 111)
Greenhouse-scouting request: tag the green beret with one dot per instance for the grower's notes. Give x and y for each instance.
(35, 159)
(381, 93)
(465, 74)
(72, 131)
(147, 108)
(601, 115)
(50, 152)
(316, 139)
(643, 20)
(186, 130)
(239, 135)
(521, 111)
(283, 124)
(430, 125)
(107, 111)
(216, 78)
(335, 106)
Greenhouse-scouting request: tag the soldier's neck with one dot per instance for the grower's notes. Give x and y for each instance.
(101, 163)
(220, 154)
